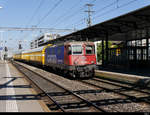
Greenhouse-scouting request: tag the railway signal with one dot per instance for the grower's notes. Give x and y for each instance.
(6, 49)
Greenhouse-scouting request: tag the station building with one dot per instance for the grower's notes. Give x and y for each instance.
(40, 40)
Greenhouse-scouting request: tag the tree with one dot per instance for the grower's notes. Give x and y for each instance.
(99, 50)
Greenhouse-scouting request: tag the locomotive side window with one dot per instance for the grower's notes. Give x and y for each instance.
(89, 49)
(76, 49)
(69, 50)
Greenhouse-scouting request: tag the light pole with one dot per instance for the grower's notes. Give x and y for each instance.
(1, 48)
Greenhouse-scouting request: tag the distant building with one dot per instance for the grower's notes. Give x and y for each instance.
(40, 40)
(1, 53)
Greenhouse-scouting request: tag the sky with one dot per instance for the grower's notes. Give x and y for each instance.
(58, 14)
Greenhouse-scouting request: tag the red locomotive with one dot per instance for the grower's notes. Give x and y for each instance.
(75, 58)
(80, 58)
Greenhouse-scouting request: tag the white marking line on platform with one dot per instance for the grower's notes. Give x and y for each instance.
(11, 105)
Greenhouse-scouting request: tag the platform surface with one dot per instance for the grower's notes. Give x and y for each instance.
(16, 94)
(134, 79)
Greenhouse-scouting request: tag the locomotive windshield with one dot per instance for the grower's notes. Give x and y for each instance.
(90, 49)
(76, 49)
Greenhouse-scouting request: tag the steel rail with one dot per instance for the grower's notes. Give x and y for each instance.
(76, 95)
(16, 65)
(130, 88)
(133, 98)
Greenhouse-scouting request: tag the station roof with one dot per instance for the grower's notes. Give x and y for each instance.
(115, 28)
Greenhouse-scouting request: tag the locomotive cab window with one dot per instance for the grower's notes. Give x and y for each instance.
(89, 49)
(76, 49)
(69, 50)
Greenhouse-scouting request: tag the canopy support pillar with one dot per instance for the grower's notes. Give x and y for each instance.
(103, 52)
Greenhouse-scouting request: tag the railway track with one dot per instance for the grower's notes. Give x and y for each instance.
(62, 99)
(124, 86)
(129, 93)
(106, 95)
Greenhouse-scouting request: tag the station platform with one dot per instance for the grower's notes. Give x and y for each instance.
(16, 94)
(128, 78)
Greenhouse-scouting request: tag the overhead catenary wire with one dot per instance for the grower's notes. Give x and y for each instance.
(35, 12)
(105, 8)
(52, 10)
(41, 2)
(58, 20)
(107, 12)
(101, 9)
(48, 13)
(45, 16)
(111, 10)
(73, 14)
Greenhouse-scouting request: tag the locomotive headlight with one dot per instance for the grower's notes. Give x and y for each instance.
(75, 63)
(92, 62)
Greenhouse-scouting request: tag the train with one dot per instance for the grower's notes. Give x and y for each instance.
(74, 58)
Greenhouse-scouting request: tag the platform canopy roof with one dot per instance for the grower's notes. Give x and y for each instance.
(115, 28)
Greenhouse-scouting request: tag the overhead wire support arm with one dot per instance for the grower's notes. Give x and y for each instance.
(35, 29)
(89, 20)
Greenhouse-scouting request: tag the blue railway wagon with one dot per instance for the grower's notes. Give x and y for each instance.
(54, 57)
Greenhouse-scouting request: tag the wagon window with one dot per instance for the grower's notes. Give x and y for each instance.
(77, 49)
(89, 49)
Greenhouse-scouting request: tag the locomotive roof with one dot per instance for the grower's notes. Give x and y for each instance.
(76, 42)
(79, 42)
